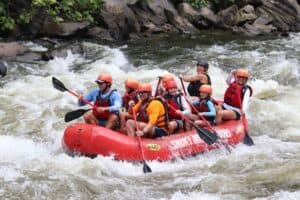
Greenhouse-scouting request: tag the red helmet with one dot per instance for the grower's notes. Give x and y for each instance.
(170, 84)
(206, 88)
(242, 73)
(132, 83)
(167, 77)
(104, 78)
(146, 87)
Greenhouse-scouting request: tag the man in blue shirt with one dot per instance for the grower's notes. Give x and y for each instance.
(107, 103)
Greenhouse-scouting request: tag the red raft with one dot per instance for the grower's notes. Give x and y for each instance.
(91, 140)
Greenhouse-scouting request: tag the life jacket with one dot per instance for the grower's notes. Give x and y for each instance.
(176, 102)
(193, 87)
(128, 97)
(102, 102)
(162, 121)
(203, 107)
(234, 94)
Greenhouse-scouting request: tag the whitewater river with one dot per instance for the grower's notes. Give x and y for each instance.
(34, 166)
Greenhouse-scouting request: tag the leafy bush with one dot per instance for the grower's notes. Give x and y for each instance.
(216, 4)
(60, 10)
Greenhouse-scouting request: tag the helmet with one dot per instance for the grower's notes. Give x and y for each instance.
(132, 83)
(206, 89)
(170, 84)
(167, 77)
(242, 73)
(203, 64)
(104, 78)
(146, 87)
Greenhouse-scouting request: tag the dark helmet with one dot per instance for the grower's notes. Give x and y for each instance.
(203, 64)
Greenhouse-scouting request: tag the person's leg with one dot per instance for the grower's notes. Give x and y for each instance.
(200, 123)
(172, 125)
(89, 118)
(130, 127)
(123, 116)
(223, 115)
(112, 121)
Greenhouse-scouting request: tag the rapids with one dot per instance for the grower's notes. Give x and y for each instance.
(33, 165)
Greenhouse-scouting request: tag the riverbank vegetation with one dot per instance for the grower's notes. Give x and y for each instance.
(15, 13)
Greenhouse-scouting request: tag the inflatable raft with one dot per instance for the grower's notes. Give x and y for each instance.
(91, 140)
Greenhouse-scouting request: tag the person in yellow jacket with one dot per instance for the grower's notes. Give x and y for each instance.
(151, 115)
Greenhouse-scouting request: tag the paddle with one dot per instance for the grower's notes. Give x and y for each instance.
(203, 118)
(207, 136)
(57, 84)
(157, 86)
(182, 85)
(146, 168)
(209, 126)
(75, 114)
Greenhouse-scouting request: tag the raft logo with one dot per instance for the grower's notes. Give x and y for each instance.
(153, 147)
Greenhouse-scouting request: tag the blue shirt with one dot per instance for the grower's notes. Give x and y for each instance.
(115, 99)
(211, 107)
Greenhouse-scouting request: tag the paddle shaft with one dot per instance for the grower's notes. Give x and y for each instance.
(157, 86)
(146, 168)
(82, 99)
(182, 86)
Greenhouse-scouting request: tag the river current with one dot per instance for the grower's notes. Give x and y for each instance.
(34, 166)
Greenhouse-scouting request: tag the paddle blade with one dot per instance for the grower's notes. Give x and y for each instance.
(75, 114)
(57, 84)
(248, 140)
(207, 136)
(146, 168)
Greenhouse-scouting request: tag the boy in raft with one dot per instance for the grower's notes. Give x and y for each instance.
(179, 106)
(107, 103)
(129, 99)
(161, 91)
(205, 107)
(151, 115)
(199, 79)
(236, 96)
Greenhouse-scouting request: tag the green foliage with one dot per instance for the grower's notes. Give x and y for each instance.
(216, 4)
(60, 10)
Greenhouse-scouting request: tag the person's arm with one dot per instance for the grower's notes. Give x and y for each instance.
(212, 110)
(246, 100)
(90, 96)
(116, 100)
(153, 112)
(231, 77)
(186, 106)
(199, 77)
(135, 108)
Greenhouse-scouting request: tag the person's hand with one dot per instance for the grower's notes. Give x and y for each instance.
(179, 112)
(80, 97)
(199, 114)
(101, 109)
(139, 133)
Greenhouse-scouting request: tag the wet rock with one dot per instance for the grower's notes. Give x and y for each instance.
(11, 49)
(245, 15)
(202, 18)
(100, 33)
(72, 28)
(119, 19)
(229, 15)
(3, 69)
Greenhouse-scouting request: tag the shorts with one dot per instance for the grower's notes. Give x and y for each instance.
(159, 132)
(102, 122)
(238, 115)
(179, 125)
